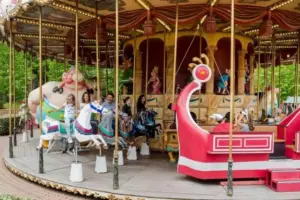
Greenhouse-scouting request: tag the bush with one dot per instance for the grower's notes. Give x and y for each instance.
(4, 125)
(9, 197)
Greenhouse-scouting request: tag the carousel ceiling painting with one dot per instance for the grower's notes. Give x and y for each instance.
(253, 18)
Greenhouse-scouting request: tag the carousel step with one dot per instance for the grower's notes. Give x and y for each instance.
(275, 175)
(292, 185)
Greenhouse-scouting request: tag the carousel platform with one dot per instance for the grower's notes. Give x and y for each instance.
(151, 177)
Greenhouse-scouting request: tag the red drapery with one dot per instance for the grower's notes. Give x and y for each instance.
(189, 14)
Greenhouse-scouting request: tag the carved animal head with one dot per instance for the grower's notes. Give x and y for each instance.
(197, 61)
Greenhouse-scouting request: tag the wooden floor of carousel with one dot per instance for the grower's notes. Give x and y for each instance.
(149, 177)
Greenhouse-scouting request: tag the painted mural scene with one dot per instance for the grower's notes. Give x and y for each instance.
(150, 99)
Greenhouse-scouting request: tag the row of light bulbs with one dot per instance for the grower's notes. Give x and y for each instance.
(69, 8)
(286, 33)
(256, 30)
(44, 37)
(121, 36)
(281, 47)
(26, 21)
(93, 40)
(283, 3)
(279, 41)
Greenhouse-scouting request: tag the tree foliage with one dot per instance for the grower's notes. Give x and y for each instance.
(52, 71)
(284, 79)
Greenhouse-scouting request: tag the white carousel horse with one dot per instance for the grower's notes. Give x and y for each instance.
(106, 130)
(83, 131)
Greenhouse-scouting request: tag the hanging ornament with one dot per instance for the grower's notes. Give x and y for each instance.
(149, 26)
(210, 25)
(266, 28)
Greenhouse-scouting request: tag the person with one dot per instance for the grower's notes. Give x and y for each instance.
(223, 82)
(154, 81)
(141, 104)
(247, 80)
(86, 99)
(224, 124)
(173, 124)
(127, 76)
(69, 114)
(289, 109)
(109, 103)
(126, 107)
(279, 115)
(244, 121)
(126, 118)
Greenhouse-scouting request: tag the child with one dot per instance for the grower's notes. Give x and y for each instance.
(223, 82)
(126, 123)
(69, 114)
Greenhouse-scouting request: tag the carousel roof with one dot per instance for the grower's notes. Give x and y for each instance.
(59, 20)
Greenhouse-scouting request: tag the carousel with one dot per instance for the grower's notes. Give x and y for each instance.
(183, 69)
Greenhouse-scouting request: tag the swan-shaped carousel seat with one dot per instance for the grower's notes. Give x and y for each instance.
(204, 155)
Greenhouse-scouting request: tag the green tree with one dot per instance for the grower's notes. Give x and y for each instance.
(284, 79)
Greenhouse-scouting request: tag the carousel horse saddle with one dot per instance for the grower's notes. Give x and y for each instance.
(105, 131)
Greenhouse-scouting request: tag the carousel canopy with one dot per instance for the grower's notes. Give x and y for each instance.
(259, 19)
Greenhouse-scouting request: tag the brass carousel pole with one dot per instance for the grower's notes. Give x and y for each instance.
(147, 70)
(65, 56)
(134, 71)
(266, 82)
(164, 78)
(31, 70)
(297, 69)
(164, 71)
(273, 74)
(279, 77)
(258, 79)
(14, 90)
(97, 53)
(175, 54)
(41, 159)
(46, 62)
(11, 155)
(116, 157)
(106, 69)
(56, 68)
(200, 52)
(76, 56)
(232, 78)
(31, 88)
(26, 77)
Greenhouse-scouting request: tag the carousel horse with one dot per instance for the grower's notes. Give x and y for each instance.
(145, 124)
(106, 130)
(81, 127)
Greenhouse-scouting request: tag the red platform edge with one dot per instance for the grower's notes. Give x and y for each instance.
(283, 180)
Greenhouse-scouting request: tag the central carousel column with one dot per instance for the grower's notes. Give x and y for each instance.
(241, 72)
(170, 67)
(251, 70)
(138, 73)
(210, 51)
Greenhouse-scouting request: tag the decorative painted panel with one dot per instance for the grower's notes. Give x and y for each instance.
(242, 143)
